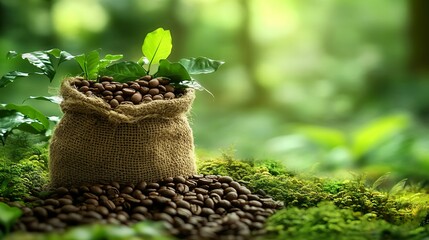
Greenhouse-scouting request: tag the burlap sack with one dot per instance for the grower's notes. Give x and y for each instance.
(95, 144)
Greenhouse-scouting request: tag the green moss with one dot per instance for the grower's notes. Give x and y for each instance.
(26, 177)
(327, 221)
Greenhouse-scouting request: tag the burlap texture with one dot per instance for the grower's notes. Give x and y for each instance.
(95, 144)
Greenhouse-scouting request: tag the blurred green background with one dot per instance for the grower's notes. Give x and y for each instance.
(328, 86)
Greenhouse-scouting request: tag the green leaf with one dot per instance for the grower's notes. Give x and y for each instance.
(373, 134)
(323, 136)
(124, 71)
(157, 45)
(143, 61)
(62, 56)
(52, 99)
(89, 62)
(29, 112)
(109, 59)
(380, 181)
(42, 61)
(398, 187)
(10, 77)
(10, 120)
(9, 215)
(200, 65)
(176, 72)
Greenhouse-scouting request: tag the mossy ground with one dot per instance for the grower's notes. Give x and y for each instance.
(314, 207)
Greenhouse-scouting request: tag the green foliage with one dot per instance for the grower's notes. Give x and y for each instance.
(124, 71)
(156, 46)
(24, 118)
(141, 231)
(23, 178)
(8, 217)
(327, 221)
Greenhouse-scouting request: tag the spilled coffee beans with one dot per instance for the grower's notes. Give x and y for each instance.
(197, 207)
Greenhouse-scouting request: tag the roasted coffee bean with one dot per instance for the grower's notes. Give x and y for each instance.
(91, 202)
(184, 213)
(106, 78)
(129, 198)
(65, 201)
(235, 185)
(143, 83)
(108, 204)
(62, 191)
(128, 91)
(224, 204)
(114, 103)
(255, 203)
(107, 93)
(147, 202)
(183, 204)
(69, 209)
(230, 189)
(135, 86)
(219, 191)
(169, 95)
(162, 88)
(108, 98)
(51, 201)
(40, 212)
(110, 87)
(167, 193)
(147, 98)
(158, 97)
(90, 196)
(138, 217)
(141, 186)
(96, 190)
(127, 190)
(196, 208)
(136, 98)
(231, 196)
(153, 185)
(244, 190)
(153, 83)
(169, 88)
(201, 190)
(153, 91)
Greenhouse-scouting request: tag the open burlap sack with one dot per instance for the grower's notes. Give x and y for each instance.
(95, 144)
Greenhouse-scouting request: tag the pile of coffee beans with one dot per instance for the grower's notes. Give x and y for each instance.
(142, 90)
(197, 207)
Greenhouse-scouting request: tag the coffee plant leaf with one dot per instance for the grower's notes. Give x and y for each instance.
(11, 54)
(29, 112)
(52, 99)
(42, 61)
(200, 65)
(10, 77)
(124, 71)
(11, 120)
(157, 45)
(176, 72)
(89, 63)
(62, 56)
(109, 59)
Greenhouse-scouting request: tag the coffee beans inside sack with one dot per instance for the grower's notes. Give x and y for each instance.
(124, 133)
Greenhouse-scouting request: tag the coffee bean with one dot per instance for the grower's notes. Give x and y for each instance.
(40, 212)
(107, 93)
(153, 91)
(235, 185)
(170, 211)
(108, 204)
(127, 190)
(255, 203)
(231, 196)
(182, 188)
(197, 202)
(224, 204)
(110, 87)
(138, 217)
(153, 83)
(62, 191)
(91, 202)
(158, 97)
(219, 191)
(69, 209)
(52, 202)
(114, 103)
(147, 202)
(90, 196)
(147, 98)
(144, 90)
(183, 204)
(230, 189)
(140, 209)
(201, 190)
(141, 186)
(102, 210)
(225, 179)
(169, 95)
(169, 88)
(106, 78)
(136, 98)
(129, 198)
(244, 190)
(184, 213)
(167, 193)
(85, 83)
(143, 83)
(128, 91)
